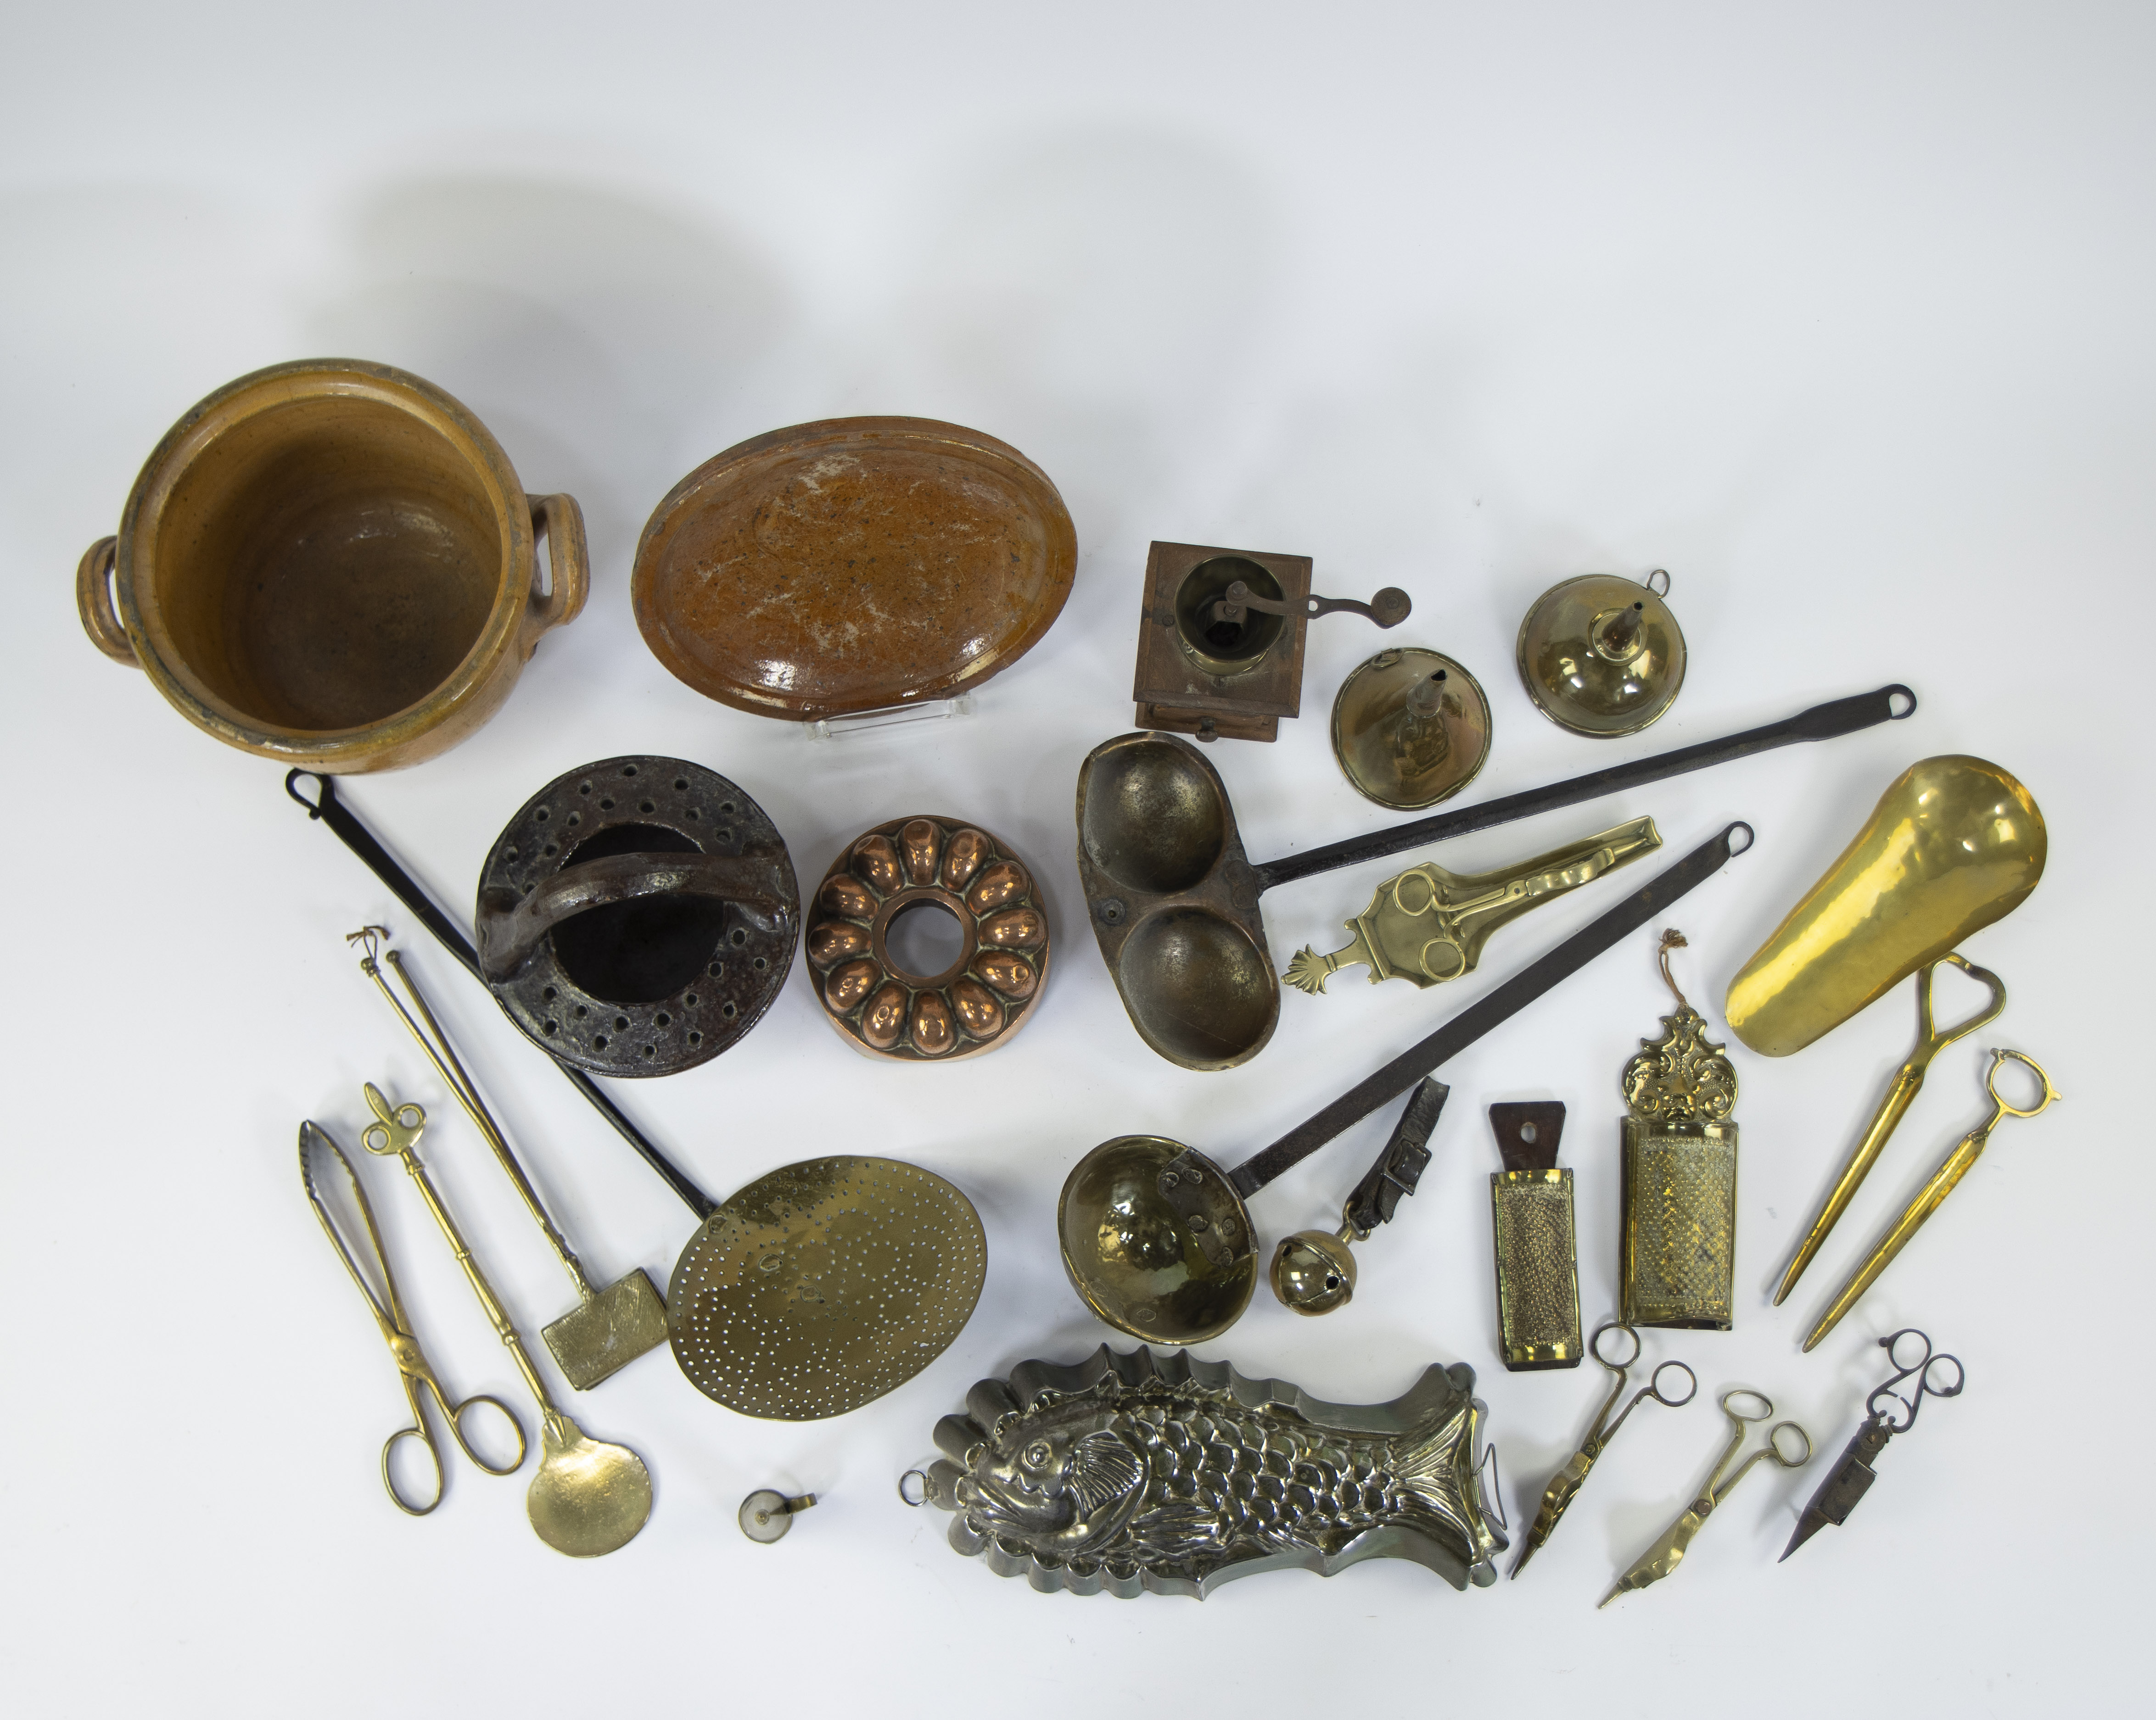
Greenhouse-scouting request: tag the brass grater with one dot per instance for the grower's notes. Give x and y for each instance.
(1538, 1260)
(1680, 1155)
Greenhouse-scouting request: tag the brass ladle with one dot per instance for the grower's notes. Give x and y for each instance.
(1155, 1234)
(588, 1497)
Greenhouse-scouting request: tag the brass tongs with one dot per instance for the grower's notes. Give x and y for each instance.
(388, 1311)
(1908, 1082)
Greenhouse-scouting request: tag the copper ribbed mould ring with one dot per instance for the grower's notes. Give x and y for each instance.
(918, 864)
(331, 563)
(637, 917)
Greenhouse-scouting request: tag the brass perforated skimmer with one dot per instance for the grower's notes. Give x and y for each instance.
(824, 1285)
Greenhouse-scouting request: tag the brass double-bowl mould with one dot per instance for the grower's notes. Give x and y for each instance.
(638, 916)
(925, 865)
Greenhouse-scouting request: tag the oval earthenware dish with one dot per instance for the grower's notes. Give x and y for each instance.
(853, 565)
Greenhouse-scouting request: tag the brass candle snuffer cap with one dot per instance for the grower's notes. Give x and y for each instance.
(1888, 1412)
(1155, 1235)
(1173, 897)
(1220, 638)
(1601, 655)
(333, 563)
(927, 865)
(815, 1289)
(588, 1497)
(1428, 925)
(1680, 1165)
(1565, 1485)
(1410, 728)
(1137, 1473)
(1532, 1241)
(609, 1329)
(1957, 1165)
(316, 1151)
(638, 916)
(767, 1514)
(853, 565)
(1659, 1560)
(1955, 843)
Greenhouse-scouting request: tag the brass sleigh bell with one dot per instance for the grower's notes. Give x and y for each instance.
(638, 916)
(1602, 655)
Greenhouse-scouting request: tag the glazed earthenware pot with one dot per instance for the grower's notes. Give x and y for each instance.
(332, 564)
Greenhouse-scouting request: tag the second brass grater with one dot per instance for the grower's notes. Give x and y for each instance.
(1679, 1158)
(1532, 1237)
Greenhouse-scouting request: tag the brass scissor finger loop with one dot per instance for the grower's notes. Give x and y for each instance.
(389, 1474)
(1594, 1343)
(1691, 1385)
(1991, 1084)
(1766, 1404)
(1931, 1040)
(457, 1428)
(1774, 1445)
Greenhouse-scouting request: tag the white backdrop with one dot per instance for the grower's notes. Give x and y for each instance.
(1840, 313)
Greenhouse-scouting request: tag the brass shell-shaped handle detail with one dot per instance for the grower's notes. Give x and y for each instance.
(983, 997)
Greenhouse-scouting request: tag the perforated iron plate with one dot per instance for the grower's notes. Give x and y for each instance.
(722, 965)
(824, 1285)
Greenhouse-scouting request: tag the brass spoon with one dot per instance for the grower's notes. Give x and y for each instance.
(588, 1497)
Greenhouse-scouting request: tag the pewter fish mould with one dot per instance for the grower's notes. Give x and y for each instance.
(1429, 1509)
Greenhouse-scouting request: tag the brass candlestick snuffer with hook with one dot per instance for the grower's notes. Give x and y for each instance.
(1566, 1484)
(1173, 897)
(1958, 1165)
(1887, 1413)
(1659, 1560)
(589, 1496)
(388, 1308)
(609, 1329)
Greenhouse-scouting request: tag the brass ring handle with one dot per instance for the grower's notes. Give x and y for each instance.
(1991, 1084)
(93, 597)
(389, 1477)
(561, 522)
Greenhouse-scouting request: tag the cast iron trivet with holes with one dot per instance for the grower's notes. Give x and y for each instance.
(637, 916)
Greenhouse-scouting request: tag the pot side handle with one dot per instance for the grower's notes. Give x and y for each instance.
(561, 522)
(93, 596)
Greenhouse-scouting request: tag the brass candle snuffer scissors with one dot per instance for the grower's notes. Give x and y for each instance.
(609, 1329)
(1173, 899)
(1156, 1236)
(1566, 1483)
(1957, 1165)
(1887, 1413)
(1659, 1560)
(1908, 1082)
(588, 1497)
(814, 1289)
(388, 1308)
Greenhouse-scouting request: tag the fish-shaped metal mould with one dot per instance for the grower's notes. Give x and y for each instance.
(1127, 1472)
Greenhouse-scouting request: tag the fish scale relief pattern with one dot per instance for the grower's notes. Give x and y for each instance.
(1128, 1473)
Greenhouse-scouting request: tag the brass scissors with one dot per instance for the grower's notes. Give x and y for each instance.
(1908, 1082)
(397, 1331)
(1566, 1482)
(1941, 1185)
(1659, 1560)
